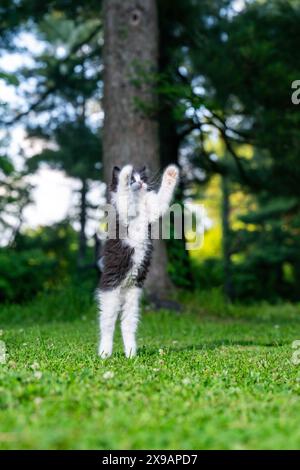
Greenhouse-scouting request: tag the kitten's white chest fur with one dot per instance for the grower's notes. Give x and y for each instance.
(138, 234)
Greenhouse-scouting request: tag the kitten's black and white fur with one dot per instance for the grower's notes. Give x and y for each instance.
(126, 259)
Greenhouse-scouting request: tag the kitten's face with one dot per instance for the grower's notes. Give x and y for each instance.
(137, 181)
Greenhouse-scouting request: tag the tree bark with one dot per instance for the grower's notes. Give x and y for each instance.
(82, 217)
(228, 286)
(130, 133)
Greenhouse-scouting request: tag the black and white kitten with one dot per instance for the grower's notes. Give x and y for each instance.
(126, 257)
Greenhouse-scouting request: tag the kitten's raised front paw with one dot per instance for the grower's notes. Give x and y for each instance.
(125, 174)
(171, 174)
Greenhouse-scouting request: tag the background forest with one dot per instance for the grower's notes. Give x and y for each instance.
(223, 88)
(213, 86)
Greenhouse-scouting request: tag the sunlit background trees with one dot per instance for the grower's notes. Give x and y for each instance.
(224, 112)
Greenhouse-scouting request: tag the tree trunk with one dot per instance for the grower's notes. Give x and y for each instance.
(130, 133)
(82, 217)
(228, 287)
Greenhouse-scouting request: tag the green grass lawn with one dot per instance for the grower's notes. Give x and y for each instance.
(211, 377)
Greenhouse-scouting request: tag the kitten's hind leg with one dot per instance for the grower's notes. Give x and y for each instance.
(109, 309)
(129, 319)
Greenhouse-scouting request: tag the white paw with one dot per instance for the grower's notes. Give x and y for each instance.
(130, 351)
(171, 174)
(104, 351)
(125, 174)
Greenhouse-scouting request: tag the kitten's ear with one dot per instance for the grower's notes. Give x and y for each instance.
(115, 178)
(116, 171)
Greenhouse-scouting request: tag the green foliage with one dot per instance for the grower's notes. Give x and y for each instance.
(6, 166)
(264, 253)
(245, 65)
(78, 151)
(38, 261)
(179, 263)
(179, 266)
(23, 275)
(55, 240)
(15, 194)
(9, 78)
(208, 273)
